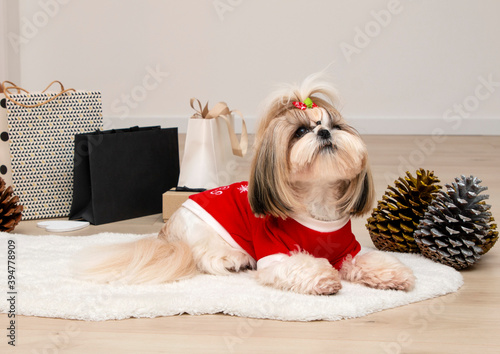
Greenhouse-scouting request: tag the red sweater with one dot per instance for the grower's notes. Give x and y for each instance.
(270, 239)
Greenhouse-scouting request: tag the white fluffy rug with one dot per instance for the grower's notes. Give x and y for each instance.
(45, 288)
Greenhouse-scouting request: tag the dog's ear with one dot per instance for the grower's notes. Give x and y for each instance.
(359, 194)
(366, 196)
(269, 189)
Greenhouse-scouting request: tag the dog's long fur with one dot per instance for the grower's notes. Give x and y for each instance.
(297, 171)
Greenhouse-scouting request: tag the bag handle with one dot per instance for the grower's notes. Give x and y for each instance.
(2, 86)
(56, 82)
(239, 147)
(19, 89)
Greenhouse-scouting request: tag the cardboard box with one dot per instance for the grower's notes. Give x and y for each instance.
(172, 200)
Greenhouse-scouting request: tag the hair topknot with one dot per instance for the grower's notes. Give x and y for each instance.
(314, 86)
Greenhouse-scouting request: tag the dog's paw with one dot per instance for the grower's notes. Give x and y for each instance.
(401, 278)
(322, 279)
(380, 271)
(301, 273)
(328, 285)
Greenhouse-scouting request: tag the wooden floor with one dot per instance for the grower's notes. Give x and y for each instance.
(465, 322)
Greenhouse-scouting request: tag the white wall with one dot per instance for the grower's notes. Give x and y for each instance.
(3, 45)
(9, 58)
(415, 67)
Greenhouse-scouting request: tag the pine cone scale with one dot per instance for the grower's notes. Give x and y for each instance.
(10, 211)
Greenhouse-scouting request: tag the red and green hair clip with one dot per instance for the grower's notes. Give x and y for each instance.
(308, 103)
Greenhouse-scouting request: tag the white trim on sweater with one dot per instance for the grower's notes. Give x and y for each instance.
(194, 207)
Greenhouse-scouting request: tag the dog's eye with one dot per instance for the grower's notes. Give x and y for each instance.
(301, 132)
(337, 127)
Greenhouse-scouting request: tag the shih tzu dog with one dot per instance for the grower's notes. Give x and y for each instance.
(291, 221)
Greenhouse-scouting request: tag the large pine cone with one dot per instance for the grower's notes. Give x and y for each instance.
(10, 211)
(397, 215)
(457, 227)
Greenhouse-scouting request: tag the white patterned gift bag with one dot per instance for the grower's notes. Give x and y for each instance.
(41, 131)
(5, 166)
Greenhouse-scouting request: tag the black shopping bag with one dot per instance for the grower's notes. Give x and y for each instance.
(121, 174)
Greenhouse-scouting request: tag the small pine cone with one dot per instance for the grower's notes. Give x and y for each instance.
(10, 211)
(397, 215)
(457, 228)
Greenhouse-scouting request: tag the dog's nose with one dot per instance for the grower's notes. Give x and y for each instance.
(324, 134)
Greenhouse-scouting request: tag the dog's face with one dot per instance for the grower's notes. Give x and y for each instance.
(323, 147)
(300, 149)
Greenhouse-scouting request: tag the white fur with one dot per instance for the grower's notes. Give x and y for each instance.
(301, 273)
(378, 270)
